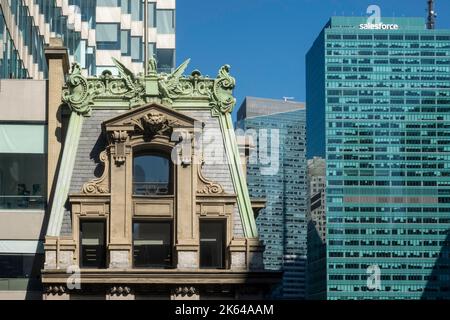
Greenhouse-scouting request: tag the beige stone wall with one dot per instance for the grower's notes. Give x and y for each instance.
(32, 104)
(20, 225)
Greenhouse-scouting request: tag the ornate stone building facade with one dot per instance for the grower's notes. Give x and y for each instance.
(150, 199)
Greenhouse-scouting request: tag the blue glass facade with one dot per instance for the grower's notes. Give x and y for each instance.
(382, 97)
(282, 224)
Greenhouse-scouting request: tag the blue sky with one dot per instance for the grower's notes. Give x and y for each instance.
(265, 41)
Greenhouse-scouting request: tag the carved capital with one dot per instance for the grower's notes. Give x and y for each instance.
(119, 151)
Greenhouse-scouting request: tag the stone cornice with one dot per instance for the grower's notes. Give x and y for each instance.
(82, 94)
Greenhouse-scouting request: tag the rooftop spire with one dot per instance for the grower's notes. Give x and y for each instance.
(431, 15)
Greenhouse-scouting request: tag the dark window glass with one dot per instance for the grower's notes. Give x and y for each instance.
(152, 175)
(22, 181)
(20, 265)
(166, 59)
(152, 244)
(93, 244)
(212, 244)
(16, 267)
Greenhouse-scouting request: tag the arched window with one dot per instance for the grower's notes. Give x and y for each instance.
(152, 175)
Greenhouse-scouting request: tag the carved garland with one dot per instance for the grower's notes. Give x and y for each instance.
(99, 185)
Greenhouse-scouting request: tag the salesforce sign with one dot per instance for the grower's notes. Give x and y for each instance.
(378, 26)
(374, 20)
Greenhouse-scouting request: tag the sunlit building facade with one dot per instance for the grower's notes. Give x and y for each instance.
(92, 31)
(378, 111)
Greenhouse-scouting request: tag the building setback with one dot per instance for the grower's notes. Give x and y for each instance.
(93, 32)
(282, 224)
(378, 111)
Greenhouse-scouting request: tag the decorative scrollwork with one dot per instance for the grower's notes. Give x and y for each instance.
(78, 95)
(222, 98)
(206, 186)
(99, 185)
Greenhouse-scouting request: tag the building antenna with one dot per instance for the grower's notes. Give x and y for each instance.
(287, 99)
(431, 22)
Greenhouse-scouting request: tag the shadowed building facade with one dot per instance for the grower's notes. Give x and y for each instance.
(276, 171)
(317, 267)
(378, 103)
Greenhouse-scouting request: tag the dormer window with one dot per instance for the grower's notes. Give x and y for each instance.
(152, 175)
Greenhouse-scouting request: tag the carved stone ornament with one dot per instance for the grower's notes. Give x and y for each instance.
(55, 290)
(99, 185)
(185, 291)
(222, 99)
(78, 94)
(120, 290)
(118, 138)
(154, 124)
(206, 186)
(82, 94)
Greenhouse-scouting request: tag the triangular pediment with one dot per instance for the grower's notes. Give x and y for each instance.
(153, 110)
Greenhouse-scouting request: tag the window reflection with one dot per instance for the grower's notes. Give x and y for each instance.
(152, 175)
(22, 181)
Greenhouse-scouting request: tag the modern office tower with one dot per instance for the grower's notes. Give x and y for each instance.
(93, 32)
(277, 172)
(378, 103)
(316, 266)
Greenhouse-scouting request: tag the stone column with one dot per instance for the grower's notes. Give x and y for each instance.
(187, 225)
(121, 204)
(58, 66)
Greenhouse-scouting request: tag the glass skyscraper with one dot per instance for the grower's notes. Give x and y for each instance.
(93, 31)
(379, 112)
(278, 174)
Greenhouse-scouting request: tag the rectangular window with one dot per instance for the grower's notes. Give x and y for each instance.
(108, 36)
(125, 42)
(165, 21)
(152, 244)
(136, 10)
(93, 244)
(151, 15)
(136, 49)
(166, 60)
(21, 271)
(107, 3)
(212, 244)
(22, 166)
